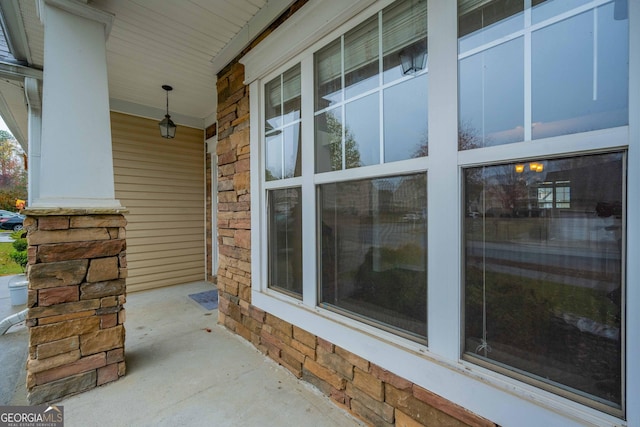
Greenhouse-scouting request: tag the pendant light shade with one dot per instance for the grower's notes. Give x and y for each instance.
(167, 127)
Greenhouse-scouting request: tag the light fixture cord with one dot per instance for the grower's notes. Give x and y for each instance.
(484, 345)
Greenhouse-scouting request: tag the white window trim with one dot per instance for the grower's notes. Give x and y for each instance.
(211, 144)
(633, 226)
(439, 367)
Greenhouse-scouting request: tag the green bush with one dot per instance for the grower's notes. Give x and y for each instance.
(20, 245)
(19, 253)
(19, 258)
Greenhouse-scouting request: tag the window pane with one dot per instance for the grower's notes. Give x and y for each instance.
(285, 240)
(328, 139)
(373, 258)
(481, 22)
(580, 84)
(292, 151)
(283, 152)
(291, 91)
(404, 31)
(405, 120)
(492, 96)
(543, 272)
(282, 125)
(362, 132)
(273, 157)
(361, 53)
(546, 9)
(328, 75)
(273, 104)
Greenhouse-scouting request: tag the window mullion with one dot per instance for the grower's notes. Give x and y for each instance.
(527, 71)
(282, 143)
(309, 258)
(380, 86)
(343, 110)
(443, 183)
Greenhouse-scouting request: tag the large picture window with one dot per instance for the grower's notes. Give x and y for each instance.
(373, 249)
(453, 204)
(544, 272)
(544, 238)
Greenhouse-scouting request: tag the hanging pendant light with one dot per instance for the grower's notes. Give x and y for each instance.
(167, 127)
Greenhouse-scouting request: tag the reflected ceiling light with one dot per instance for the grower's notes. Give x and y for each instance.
(519, 168)
(533, 167)
(413, 58)
(167, 127)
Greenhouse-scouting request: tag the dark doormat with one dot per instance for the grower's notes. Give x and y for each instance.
(207, 299)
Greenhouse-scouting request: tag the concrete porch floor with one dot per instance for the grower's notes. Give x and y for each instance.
(179, 373)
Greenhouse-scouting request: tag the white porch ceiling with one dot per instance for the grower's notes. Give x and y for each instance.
(182, 43)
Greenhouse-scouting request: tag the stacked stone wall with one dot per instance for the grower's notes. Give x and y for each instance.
(77, 272)
(371, 393)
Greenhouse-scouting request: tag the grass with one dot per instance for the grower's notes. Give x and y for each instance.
(7, 266)
(558, 298)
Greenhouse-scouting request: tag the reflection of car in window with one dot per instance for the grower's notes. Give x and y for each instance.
(7, 214)
(13, 222)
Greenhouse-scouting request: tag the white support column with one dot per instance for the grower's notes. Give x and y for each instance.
(34, 103)
(76, 168)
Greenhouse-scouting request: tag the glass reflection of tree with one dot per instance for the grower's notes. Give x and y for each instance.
(423, 149)
(510, 188)
(269, 175)
(294, 165)
(468, 138)
(352, 153)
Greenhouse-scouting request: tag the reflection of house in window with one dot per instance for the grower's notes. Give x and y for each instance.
(554, 194)
(545, 197)
(563, 194)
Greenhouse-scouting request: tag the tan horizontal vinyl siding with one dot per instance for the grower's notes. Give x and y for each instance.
(161, 183)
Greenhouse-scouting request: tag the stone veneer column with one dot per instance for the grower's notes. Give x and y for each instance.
(77, 270)
(234, 199)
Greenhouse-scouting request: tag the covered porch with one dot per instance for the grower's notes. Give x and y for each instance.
(185, 369)
(114, 207)
(341, 246)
